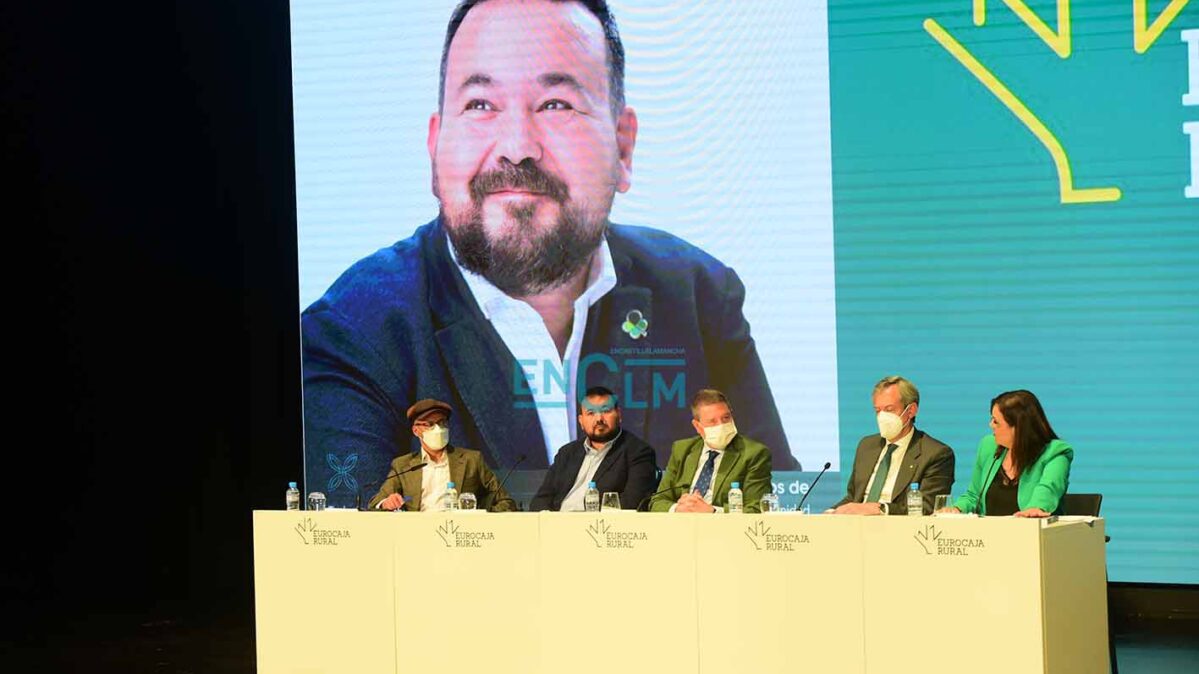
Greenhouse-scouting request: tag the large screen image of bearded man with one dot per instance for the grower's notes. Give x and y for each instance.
(503, 204)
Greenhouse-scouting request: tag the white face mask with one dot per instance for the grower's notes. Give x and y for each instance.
(436, 437)
(890, 424)
(719, 436)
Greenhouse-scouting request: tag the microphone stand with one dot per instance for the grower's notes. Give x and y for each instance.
(519, 460)
(393, 473)
(799, 508)
(647, 499)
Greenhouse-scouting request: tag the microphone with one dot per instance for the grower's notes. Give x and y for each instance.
(409, 469)
(519, 460)
(646, 500)
(799, 508)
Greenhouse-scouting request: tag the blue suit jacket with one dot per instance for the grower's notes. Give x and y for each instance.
(402, 325)
(629, 467)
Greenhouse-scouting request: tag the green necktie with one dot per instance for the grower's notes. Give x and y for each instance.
(880, 476)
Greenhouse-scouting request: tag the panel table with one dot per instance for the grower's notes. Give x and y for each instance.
(614, 592)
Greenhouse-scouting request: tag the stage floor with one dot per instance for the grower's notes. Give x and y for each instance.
(223, 643)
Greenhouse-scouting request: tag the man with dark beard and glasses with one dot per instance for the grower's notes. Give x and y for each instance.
(609, 456)
(521, 292)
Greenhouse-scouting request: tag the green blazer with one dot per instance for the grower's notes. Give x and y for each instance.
(467, 470)
(745, 461)
(1042, 485)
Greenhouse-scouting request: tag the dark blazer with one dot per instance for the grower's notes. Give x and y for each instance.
(746, 461)
(401, 325)
(628, 467)
(467, 472)
(927, 461)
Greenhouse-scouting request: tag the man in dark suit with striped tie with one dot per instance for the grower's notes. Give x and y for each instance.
(898, 455)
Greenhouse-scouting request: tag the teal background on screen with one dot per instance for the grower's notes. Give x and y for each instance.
(958, 267)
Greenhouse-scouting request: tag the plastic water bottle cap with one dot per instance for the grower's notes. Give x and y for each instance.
(291, 485)
(449, 485)
(591, 484)
(915, 486)
(736, 485)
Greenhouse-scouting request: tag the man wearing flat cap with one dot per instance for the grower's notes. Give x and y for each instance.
(444, 463)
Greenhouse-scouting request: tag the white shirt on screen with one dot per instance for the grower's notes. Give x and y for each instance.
(553, 377)
(892, 472)
(592, 458)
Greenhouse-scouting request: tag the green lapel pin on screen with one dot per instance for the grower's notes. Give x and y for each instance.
(635, 325)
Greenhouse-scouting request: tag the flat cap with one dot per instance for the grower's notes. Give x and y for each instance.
(422, 408)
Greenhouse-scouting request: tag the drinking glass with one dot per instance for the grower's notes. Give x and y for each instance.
(316, 501)
(467, 501)
(769, 503)
(940, 502)
(610, 501)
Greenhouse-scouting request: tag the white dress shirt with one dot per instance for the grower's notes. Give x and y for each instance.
(893, 471)
(551, 378)
(434, 479)
(592, 458)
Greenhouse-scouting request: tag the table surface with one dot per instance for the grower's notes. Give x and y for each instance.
(626, 591)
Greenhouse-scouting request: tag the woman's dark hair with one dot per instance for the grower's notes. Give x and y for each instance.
(1031, 430)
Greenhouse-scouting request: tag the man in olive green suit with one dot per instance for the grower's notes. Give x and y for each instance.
(701, 470)
(443, 463)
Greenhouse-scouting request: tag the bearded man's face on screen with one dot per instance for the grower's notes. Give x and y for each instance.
(528, 149)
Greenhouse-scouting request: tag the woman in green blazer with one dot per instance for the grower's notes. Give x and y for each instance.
(1022, 468)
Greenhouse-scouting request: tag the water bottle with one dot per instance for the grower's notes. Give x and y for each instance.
(449, 500)
(293, 496)
(591, 498)
(736, 499)
(915, 501)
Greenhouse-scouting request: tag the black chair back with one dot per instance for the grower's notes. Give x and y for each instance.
(1082, 504)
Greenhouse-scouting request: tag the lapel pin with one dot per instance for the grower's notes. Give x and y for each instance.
(635, 325)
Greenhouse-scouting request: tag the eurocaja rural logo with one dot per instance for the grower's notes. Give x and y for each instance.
(312, 534)
(764, 539)
(454, 535)
(1148, 26)
(934, 542)
(605, 535)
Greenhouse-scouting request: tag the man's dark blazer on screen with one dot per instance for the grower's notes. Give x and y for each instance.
(927, 461)
(629, 467)
(401, 325)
